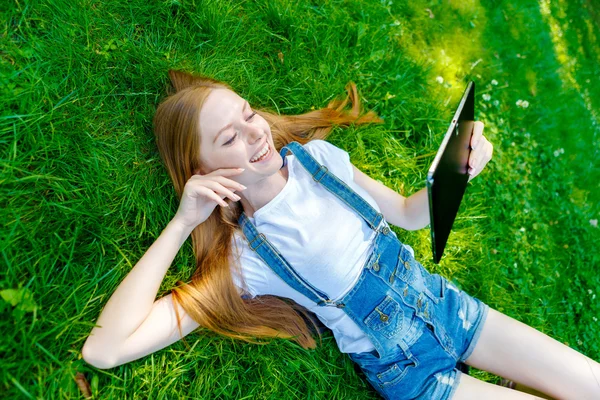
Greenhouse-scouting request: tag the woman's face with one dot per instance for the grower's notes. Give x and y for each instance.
(231, 136)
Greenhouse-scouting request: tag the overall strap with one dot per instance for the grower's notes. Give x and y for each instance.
(321, 174)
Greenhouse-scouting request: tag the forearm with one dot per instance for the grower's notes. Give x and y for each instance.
(417, 209)
(132, 301)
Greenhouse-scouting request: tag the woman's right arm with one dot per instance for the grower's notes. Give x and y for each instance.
(133, 324)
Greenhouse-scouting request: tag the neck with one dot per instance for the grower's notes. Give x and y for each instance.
(263, 191)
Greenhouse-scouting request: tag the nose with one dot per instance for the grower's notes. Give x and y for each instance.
(254, 132)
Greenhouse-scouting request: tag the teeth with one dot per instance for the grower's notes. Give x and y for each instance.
(262, 153)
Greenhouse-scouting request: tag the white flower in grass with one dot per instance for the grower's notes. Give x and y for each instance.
(595, 319)
(439, 79)
(496, 103)
(522, 103)
(494, 82)
(558, 152)
(594, 223)
(486, 97)
(522, 229)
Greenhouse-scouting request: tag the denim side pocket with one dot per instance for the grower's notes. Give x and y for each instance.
(396, 372)
(386, 318)
(436, 285)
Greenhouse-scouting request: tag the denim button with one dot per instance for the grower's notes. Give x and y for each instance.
(376, 267)
(387, 318)
(407, 264)
(386, 230)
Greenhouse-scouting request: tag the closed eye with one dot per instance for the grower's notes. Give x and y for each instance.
(233, 137)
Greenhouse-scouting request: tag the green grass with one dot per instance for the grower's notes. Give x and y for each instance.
(83, 193)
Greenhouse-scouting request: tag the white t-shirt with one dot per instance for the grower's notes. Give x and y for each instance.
(320, 236)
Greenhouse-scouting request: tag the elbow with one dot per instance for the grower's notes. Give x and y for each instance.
(96, 358)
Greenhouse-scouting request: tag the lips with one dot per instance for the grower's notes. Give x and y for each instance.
(261, 148)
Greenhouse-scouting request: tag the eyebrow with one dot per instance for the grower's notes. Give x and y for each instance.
(229, 125)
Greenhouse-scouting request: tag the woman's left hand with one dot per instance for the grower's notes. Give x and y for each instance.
(481, 151)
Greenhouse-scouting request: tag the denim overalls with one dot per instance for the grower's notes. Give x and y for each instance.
(420, 324)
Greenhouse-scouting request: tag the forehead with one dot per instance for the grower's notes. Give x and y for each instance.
(220, 107)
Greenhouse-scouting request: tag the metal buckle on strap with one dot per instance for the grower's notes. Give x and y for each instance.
(383, 227)
(260, 235)
(327, 302)
(321, 168)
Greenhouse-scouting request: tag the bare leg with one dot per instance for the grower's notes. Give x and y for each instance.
(516, 351)
(527, 389)
(471, 388)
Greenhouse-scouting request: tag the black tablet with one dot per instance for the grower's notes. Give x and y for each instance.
(449, 173)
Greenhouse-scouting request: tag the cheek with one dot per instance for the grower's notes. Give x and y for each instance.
(211, 164)
(264, 125)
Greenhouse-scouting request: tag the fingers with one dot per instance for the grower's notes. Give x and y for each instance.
(216, 186)
(229, 182)
(221, 189)
(481, 152)
(477, 144)
(477, 134)
(480, 157)
(221, 171)
(221, 179)
(212, 195)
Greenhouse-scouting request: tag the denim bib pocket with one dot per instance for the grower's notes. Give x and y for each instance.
(387, 318)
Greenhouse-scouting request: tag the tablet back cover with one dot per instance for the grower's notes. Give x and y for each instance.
(448, 176)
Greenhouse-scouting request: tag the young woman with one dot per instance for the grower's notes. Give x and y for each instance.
(298, 221)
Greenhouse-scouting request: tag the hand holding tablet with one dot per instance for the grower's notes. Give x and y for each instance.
(449, 172)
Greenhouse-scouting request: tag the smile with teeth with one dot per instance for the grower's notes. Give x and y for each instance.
(262, 155)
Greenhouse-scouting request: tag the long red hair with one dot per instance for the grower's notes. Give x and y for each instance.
(211, 297)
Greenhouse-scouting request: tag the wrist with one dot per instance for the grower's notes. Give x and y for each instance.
(179, 228)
